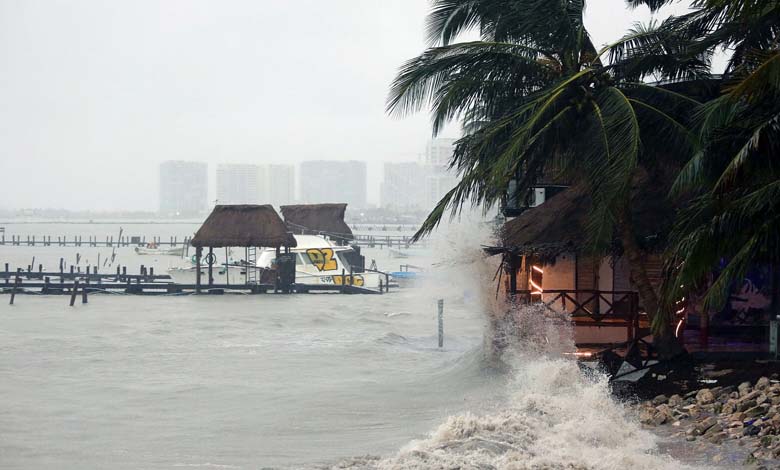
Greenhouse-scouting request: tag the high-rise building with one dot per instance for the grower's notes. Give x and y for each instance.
(238, 184)
(438, 152)
(403, 186)
(439, 179)
(184, 188)
(278, 186)
(334, 181)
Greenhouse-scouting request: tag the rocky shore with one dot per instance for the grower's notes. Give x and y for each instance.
(747, 414)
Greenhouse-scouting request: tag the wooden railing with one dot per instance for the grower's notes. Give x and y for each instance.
(585, 306)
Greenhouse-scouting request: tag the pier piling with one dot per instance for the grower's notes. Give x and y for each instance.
(441, 322)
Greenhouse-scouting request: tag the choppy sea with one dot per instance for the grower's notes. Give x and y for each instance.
(299, 381)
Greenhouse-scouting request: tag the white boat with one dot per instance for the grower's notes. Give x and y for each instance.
(318, 261)
(153, 250)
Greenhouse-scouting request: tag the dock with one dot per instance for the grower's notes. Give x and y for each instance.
(362, 240)
(90, 281)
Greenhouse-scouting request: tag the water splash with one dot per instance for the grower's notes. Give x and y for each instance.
(555, 416)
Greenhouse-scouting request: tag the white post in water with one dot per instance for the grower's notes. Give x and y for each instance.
(441, 322)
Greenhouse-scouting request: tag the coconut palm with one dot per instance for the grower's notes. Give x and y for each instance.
(735, 178)
(736, 214)
(533, 94)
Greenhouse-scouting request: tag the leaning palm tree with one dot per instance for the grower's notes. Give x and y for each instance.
(736, 214)
(735, 179)
(534, 94)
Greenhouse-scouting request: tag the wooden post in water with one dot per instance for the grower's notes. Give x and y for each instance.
(46, 282)
(73, 291)
(210, 261)
(84, 291)
(198, 252)
(441, 322)
(13, 291)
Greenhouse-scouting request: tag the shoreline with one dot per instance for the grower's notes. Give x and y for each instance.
(721, 412)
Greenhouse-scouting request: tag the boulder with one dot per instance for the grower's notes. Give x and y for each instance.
(754, 412)
(761, 398)
(716, 428)
(702, 426)
(675, 400)
(646, 415)
(746, 405)
(744, 388)
(762, 383)
(705, 396)
(660, 399)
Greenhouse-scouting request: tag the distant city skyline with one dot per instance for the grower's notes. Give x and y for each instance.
(411, 185)
(99, 93)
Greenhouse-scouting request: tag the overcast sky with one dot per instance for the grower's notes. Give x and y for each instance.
(94, 94)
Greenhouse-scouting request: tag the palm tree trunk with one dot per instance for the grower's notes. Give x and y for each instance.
(663, 336)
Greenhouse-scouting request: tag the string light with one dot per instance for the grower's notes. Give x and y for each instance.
(677, 330)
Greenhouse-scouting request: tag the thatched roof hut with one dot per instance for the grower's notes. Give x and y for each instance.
(559, 225)
(243, 225)
(317, 218)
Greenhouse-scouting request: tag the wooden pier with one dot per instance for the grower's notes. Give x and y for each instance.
(91, 241)
(90, 281)
(362, 240)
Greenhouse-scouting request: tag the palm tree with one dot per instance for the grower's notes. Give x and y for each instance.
(534, 94)
(735, 179)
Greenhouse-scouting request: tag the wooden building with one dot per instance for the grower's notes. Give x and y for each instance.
(546, 259)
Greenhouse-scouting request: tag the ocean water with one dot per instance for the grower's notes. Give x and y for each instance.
(303, 381)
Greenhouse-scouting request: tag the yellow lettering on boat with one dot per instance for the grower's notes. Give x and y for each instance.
(356, 280)
(322, 258)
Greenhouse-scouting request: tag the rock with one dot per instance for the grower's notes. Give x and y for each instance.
(762, 383)
(744, 388)
(746, 405)
(659, 418)
(705, 396)
(718, 458)
(717, 438)
(729, 407)
(751, 430)
(676, 424)
(754, 412)
(675, 400)
(716, 428)
(661, 377)
(646, 416)
(775, 400)
(702, 426)
(691, 394)
(761, 398)
(690, 438)
(660, 399)
(738, 416)
(750, 396)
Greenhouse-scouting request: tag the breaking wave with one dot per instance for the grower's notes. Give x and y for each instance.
(553, 413)
(555, 416)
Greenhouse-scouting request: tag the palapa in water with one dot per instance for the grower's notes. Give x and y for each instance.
(326, 219)
(243, 225)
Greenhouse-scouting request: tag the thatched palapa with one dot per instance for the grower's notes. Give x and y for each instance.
(243, 225)
(317, 218)
(559, 224)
